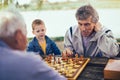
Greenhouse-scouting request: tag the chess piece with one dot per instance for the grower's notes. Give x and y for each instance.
(63, 56)
(76, 57)
(59, 61)
(46, 59)
(50, 58)
(71, 60)
(67, 71)
(68, 61)
(81, 57)
(54, 58)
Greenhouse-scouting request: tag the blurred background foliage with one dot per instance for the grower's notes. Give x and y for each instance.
(118, 40)
(63, 5)
(66, 4)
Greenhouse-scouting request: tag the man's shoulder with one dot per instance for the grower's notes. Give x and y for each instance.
(28, 55)
(16, 56)
(73, 30)
(25, 63)
(105, 30)
(74, 27)
(21, 55)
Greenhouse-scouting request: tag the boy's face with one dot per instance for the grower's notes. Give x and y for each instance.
(39, 31)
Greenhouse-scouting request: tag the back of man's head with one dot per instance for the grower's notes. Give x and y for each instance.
(13, 29)
(10, 21)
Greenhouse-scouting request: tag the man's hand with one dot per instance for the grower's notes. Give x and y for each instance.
(67, 52)
(98, 27)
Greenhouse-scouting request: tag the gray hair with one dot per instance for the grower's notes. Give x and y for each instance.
(10, 21)
(85, 12)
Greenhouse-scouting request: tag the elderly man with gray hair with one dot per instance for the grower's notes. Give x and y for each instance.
(15, 63)
(89, 38)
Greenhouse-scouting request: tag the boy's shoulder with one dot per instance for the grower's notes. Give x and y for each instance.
(48, 39)
(33, 40)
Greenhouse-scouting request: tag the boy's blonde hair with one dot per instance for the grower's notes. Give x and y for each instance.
(36, 22)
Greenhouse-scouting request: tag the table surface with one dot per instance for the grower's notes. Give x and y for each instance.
(94, 69)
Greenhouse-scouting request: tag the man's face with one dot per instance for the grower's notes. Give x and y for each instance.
(86, 27)
(39, 31)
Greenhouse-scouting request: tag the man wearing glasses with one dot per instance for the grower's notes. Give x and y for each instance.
(89, 38)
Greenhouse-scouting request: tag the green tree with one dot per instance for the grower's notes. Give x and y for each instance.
(7, 2)
(39, 4)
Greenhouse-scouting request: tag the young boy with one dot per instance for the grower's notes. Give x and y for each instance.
(41, 43)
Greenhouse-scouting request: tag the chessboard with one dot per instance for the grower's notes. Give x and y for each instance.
(68, 66)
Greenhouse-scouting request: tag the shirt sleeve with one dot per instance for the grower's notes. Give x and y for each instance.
(41, 71)
(68, 41)
(107, 43)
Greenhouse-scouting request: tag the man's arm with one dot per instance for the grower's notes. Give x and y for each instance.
(68, 47)
(108, 44)
(37, 69)
(106, 41)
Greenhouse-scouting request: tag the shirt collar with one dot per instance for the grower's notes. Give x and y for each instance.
(3, 44)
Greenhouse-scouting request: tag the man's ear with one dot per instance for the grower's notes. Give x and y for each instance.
(18, 36)
(98, 26)
(20, 40)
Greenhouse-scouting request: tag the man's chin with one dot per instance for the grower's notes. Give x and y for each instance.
(85, 35)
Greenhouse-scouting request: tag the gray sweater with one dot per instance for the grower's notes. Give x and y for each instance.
(102, 44)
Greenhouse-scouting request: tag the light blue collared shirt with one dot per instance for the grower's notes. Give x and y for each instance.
(20, 65)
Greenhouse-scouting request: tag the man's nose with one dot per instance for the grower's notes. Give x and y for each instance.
(83, 27)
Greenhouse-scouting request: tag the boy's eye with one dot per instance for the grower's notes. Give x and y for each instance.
(42, 30)
(38, 31)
